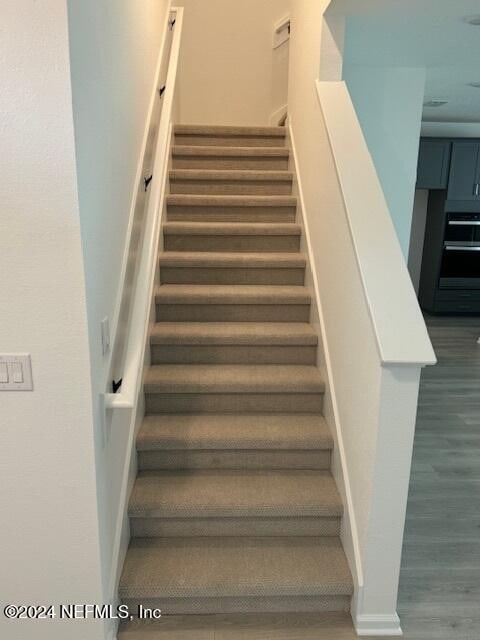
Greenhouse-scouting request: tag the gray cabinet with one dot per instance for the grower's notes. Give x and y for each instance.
(433, 163)
(464, 183)
(458, 301)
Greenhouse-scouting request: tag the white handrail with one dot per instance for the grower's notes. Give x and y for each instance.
(142, 298)
(397, 322)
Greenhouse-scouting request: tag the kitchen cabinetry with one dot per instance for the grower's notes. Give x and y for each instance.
(464, 182)
(433, 163)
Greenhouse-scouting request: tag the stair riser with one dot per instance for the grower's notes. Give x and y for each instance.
(205, 606)
(245, 459)
(225, 275)
(192, 140)
(233, 354)
(233, 244)
(231, 403)
(239, 163)
(231, 188)
(191, 213)
(233, 527)
(167, 312)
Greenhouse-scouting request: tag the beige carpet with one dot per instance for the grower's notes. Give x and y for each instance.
(234, 509)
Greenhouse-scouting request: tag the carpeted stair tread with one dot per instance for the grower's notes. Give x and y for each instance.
(231, 201)
(232, 294)
(230, 152)
(234, 493)
(194, 378)
(234, 567)
(230, 229)
(233, 333)
(234, 508)
(189, 259)
(220, 130)
(249, 175)
(234, 432)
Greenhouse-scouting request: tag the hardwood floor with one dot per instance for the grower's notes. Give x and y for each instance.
(439, 595)
(305, 626)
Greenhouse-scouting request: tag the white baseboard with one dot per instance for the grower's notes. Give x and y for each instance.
(377, 625)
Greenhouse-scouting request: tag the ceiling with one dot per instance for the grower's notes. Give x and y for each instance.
(420, 33)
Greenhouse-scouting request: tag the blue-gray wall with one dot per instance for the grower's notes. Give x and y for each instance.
(389, 102)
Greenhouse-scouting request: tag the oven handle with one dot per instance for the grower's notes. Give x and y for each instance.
(462, 223)
(461, 248)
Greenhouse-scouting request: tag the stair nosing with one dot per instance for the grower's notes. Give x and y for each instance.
(233, 333)
(241, 201)
(230, 131)
(178, 175)
(184, 379)
(224, 432)
(234, 294)
(221, 229)
(238, 260)
(230, 151)
(264, 493)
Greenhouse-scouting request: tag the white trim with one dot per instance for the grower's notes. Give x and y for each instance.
(343, 481)
(397, 322)
(143, 291)
(278, 116)
(377, 625)
(129, 412)
(127, 404)
(133, 204)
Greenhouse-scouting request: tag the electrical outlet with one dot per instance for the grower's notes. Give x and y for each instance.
(105, 327)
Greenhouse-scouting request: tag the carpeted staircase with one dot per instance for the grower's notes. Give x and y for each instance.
(234, 509)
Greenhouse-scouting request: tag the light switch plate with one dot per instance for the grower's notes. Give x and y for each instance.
(18, 366)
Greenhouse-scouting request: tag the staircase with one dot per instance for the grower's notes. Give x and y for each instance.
(234, 509)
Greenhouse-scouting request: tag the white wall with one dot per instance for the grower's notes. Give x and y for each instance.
(114, 53)
(388, 102)
(49, 532)
(229, 73)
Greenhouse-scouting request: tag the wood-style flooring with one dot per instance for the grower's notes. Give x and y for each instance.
(439, 596)
(306, 626)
